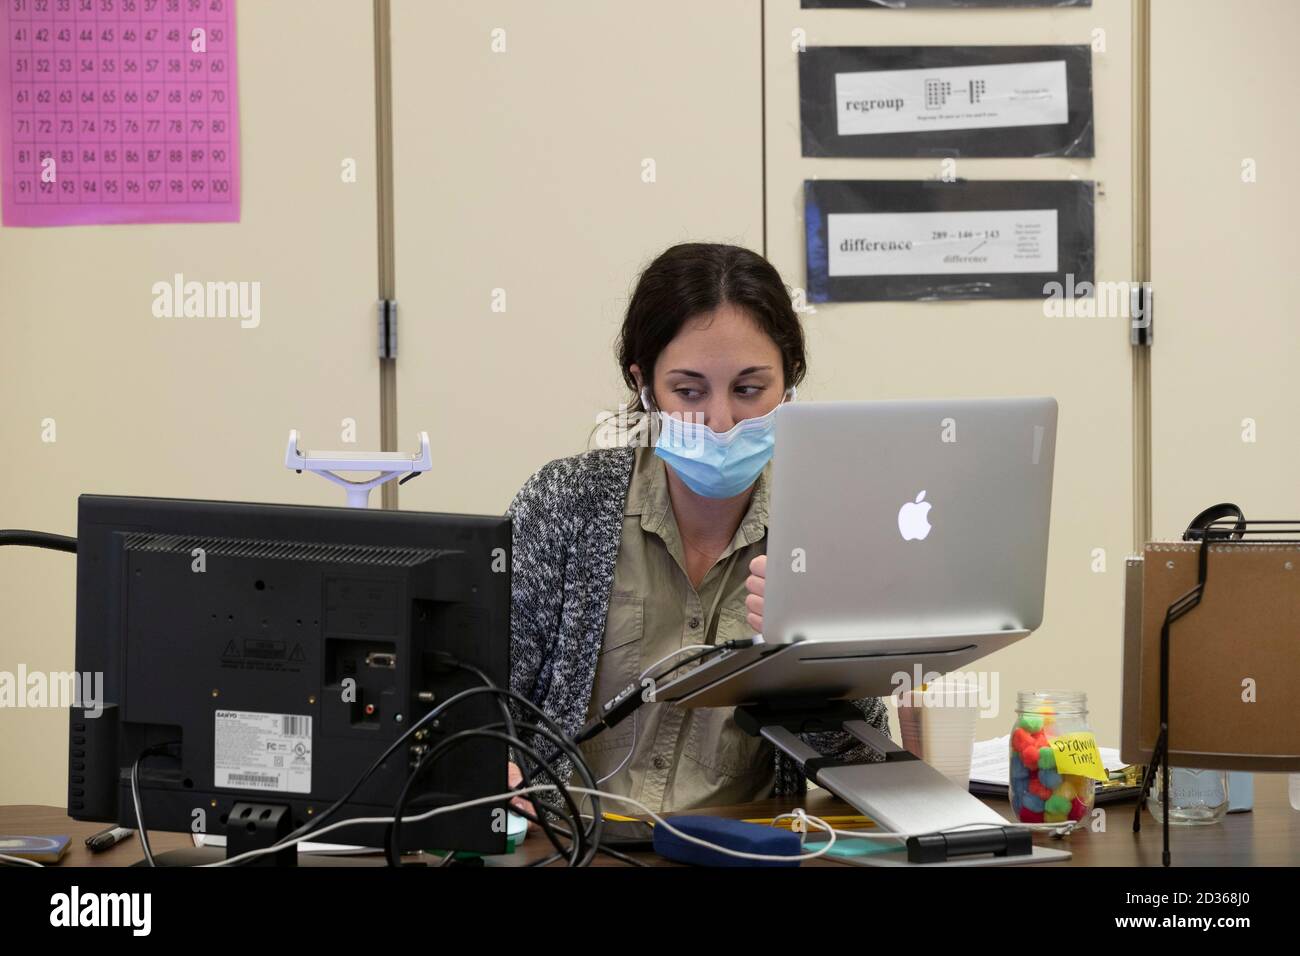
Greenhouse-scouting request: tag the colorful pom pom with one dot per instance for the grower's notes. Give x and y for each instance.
(1029, 756)
(1031, 722)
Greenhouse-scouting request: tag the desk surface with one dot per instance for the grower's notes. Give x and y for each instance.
(1269, 835)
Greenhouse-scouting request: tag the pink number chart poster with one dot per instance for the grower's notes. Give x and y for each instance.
(118, 111)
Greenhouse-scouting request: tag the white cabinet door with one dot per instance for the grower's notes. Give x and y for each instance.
(544, 154)
(1225, 402)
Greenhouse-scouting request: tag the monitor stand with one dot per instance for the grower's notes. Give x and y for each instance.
(902, 794)
(250, 826)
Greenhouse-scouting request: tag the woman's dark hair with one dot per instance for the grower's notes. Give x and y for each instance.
(697, 277)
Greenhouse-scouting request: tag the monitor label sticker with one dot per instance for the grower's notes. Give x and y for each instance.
(262, 751)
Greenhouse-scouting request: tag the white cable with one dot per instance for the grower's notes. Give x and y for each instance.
(18, 859)
(821, 825)
(798, 812)
(680, 650)
(739, 854)
(804, 818)
(497, 798)
(630, 748)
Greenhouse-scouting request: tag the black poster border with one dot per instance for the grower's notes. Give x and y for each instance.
(1073, 199)
(819, 134)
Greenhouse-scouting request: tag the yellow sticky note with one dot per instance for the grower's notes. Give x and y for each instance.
(1077, 753)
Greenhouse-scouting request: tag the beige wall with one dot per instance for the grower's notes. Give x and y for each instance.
(189, 407)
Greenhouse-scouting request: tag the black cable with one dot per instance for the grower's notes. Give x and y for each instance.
(622, 857)
(590, 835)
(333, 808)
(579, 848)
(39, 539)
(151, 751)
(426, 762)
(571, 750)
(429, 800)
(630, 698)
(317, 820)
(508, 718)
(589, 840)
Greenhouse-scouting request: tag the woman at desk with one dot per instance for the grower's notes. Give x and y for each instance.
(623, 556)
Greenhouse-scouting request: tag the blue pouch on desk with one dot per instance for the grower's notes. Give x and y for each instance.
(733, 834)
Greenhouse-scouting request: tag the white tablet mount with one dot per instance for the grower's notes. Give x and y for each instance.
(389, 464)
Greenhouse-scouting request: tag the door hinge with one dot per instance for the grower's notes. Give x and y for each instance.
(388, 328)
(1142, 304)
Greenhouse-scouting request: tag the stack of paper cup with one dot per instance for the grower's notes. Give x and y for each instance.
(938, 725)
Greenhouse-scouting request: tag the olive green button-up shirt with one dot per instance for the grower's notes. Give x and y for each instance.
(670, 757)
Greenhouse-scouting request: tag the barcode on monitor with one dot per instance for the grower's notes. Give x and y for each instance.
(294, 726)
(252, 780)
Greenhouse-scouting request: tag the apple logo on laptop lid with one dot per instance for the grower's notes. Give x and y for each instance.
(914, 519)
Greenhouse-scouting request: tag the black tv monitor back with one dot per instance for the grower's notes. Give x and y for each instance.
(286, 647)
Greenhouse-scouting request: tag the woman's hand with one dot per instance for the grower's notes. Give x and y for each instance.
(754, 600)
(514, 777)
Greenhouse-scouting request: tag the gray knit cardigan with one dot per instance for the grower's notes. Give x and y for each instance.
(568, 519)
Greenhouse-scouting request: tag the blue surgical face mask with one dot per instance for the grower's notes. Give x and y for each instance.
(713, 464)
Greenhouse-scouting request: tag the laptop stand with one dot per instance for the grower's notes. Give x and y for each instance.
(902, 793)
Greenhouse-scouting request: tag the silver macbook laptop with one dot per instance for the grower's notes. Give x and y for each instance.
(900, 533)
